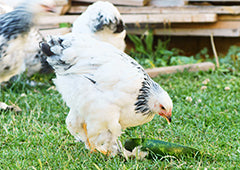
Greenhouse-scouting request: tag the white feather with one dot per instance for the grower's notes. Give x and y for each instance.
(18, 54)
(87, 22)
(100, 84)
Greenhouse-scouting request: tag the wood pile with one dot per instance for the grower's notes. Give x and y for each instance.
(165, 17)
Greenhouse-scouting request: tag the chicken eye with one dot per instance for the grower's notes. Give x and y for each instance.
(162, 107)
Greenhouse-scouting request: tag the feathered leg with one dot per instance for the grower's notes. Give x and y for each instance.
(84, 126)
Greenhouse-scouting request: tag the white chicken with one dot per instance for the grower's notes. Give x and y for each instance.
(35, 60)
(14, 30)
(105, 89)
(103, 21)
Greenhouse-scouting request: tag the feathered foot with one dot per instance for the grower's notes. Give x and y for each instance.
(84, 126)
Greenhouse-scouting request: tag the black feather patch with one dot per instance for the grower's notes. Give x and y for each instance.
(115, 24)
(46, 49)
(15, 23)
(45, 66)
(100, 22)
(142, 99)
(120, 27)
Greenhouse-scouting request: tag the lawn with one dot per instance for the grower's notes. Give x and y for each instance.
(37, 137)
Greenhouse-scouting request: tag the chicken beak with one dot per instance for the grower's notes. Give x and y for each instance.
(166, 116)
(169, 119)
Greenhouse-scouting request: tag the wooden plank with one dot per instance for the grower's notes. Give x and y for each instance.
(58, 31)
(132, 19)
(205, 66)
(61, 2)
(229, 18)
(121, 2)
(216, 25)
(189, 32)
(220, 28)
(169, 18)
(188, 9)
(161, 3)
(55, 20)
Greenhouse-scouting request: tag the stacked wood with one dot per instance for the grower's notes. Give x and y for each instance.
(188, 9)
(121, 2)
(53, 21)
(165, 17)
(162, 3)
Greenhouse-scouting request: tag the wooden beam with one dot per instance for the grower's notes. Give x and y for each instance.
(206, 66)
(61, 2)
(169, 18)
(189, 32)
(177, 28)
(188, 9)
(220, 28)
(132, 19)
(161, 3)
(216, 25)
(229, 18)
(55, 20)
(120, 2)
(58, 31)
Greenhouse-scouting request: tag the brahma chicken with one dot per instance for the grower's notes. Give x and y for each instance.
(102, 21)
(15, 27)
(105, 89)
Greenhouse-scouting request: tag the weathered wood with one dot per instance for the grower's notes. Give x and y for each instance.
(161, 3)
(229, 18)
(216, 25)
(121, 2)
(206, 66)
(132, 19)
(61, 2)
(55, 20)
(58, 31)
(169, 18)
(220, 28)
(188, 32)
(188, 9)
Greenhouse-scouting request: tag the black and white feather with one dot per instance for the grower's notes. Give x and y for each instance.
(35, 59)
(14, 30)
(103, 21)
(103, 87)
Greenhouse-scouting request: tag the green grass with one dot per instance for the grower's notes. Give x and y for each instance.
(37, 138)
